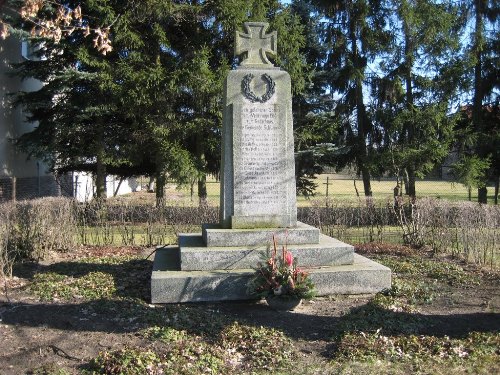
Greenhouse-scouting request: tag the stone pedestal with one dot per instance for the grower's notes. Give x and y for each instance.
(193, 271)
(258, 199)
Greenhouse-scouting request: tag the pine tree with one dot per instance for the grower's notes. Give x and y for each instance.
(106, 114)
(414, 95)
(68, 136)
(356, 31)
(484, 53)
(315, 127)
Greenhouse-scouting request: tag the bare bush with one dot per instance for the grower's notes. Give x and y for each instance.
(30, 229)
(463, 229)
(162, 221)
(132, 224)
(7, 257)
(477, 232)
(93, 223)
(372, 220)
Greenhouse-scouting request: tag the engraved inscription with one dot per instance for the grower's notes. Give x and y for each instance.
(259, 186)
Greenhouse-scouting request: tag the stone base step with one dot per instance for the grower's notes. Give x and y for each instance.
(195, 256)
(170, 285)
(214, 235)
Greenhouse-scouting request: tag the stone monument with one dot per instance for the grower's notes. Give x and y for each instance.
(258, 198)
(257, 179)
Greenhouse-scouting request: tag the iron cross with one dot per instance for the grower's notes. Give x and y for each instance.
(256, 43)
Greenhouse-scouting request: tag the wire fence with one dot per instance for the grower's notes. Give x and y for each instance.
(328, 186)
(343, 187)
(22, 188)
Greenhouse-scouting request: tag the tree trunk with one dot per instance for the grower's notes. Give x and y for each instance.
(14, 188)
(100, 178)
(191, 188)
(361, 117)
(202, 190)
(355, 188)
(365, 174)
(477, 103)
(497, 187)
(161, 180)
(410, 126)
(411, 183)
(482, 195)
(202, 179)
(405, 181)
(412, 191)
(100, 172)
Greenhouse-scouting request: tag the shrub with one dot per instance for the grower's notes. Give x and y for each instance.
(462, 229)
(30, 229)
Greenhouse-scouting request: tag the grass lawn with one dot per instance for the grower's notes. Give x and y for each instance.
(128, 234)
(344, 188)
(88, 312)
(338, 188)
(164, 234)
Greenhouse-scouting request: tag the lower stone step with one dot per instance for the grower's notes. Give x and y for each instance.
(195, 256)
(170, 285)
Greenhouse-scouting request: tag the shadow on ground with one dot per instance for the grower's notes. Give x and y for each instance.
(128, 311)
(118, 316)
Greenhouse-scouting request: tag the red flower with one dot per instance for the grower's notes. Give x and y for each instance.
(288, 258)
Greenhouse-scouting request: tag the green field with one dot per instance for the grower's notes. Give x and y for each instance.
(345, 188)
(336, 187)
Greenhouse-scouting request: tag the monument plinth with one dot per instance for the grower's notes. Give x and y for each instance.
(258, 198)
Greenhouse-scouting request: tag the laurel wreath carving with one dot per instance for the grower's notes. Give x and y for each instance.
(247, 91)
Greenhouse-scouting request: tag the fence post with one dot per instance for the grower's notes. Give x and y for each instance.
(327, 184)
(14, 188)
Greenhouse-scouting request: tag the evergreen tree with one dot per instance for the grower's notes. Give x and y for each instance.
(315, 127)
(412, 99)
(112, 113)
(355, 32)
(77, 126)
(152, 104)
(148, 72)
(483, 53)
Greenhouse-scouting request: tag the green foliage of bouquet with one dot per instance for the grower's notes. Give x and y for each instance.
(280, 276)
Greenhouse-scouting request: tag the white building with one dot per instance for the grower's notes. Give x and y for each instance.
(21, 178)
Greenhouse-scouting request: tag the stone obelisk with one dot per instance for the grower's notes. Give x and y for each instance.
(258, 178)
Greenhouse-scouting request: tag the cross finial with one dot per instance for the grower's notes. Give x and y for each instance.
(256, 43)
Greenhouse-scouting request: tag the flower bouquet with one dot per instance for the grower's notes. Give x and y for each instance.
(279, 279)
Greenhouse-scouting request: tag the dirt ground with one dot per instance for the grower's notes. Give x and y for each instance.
(69, 334)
